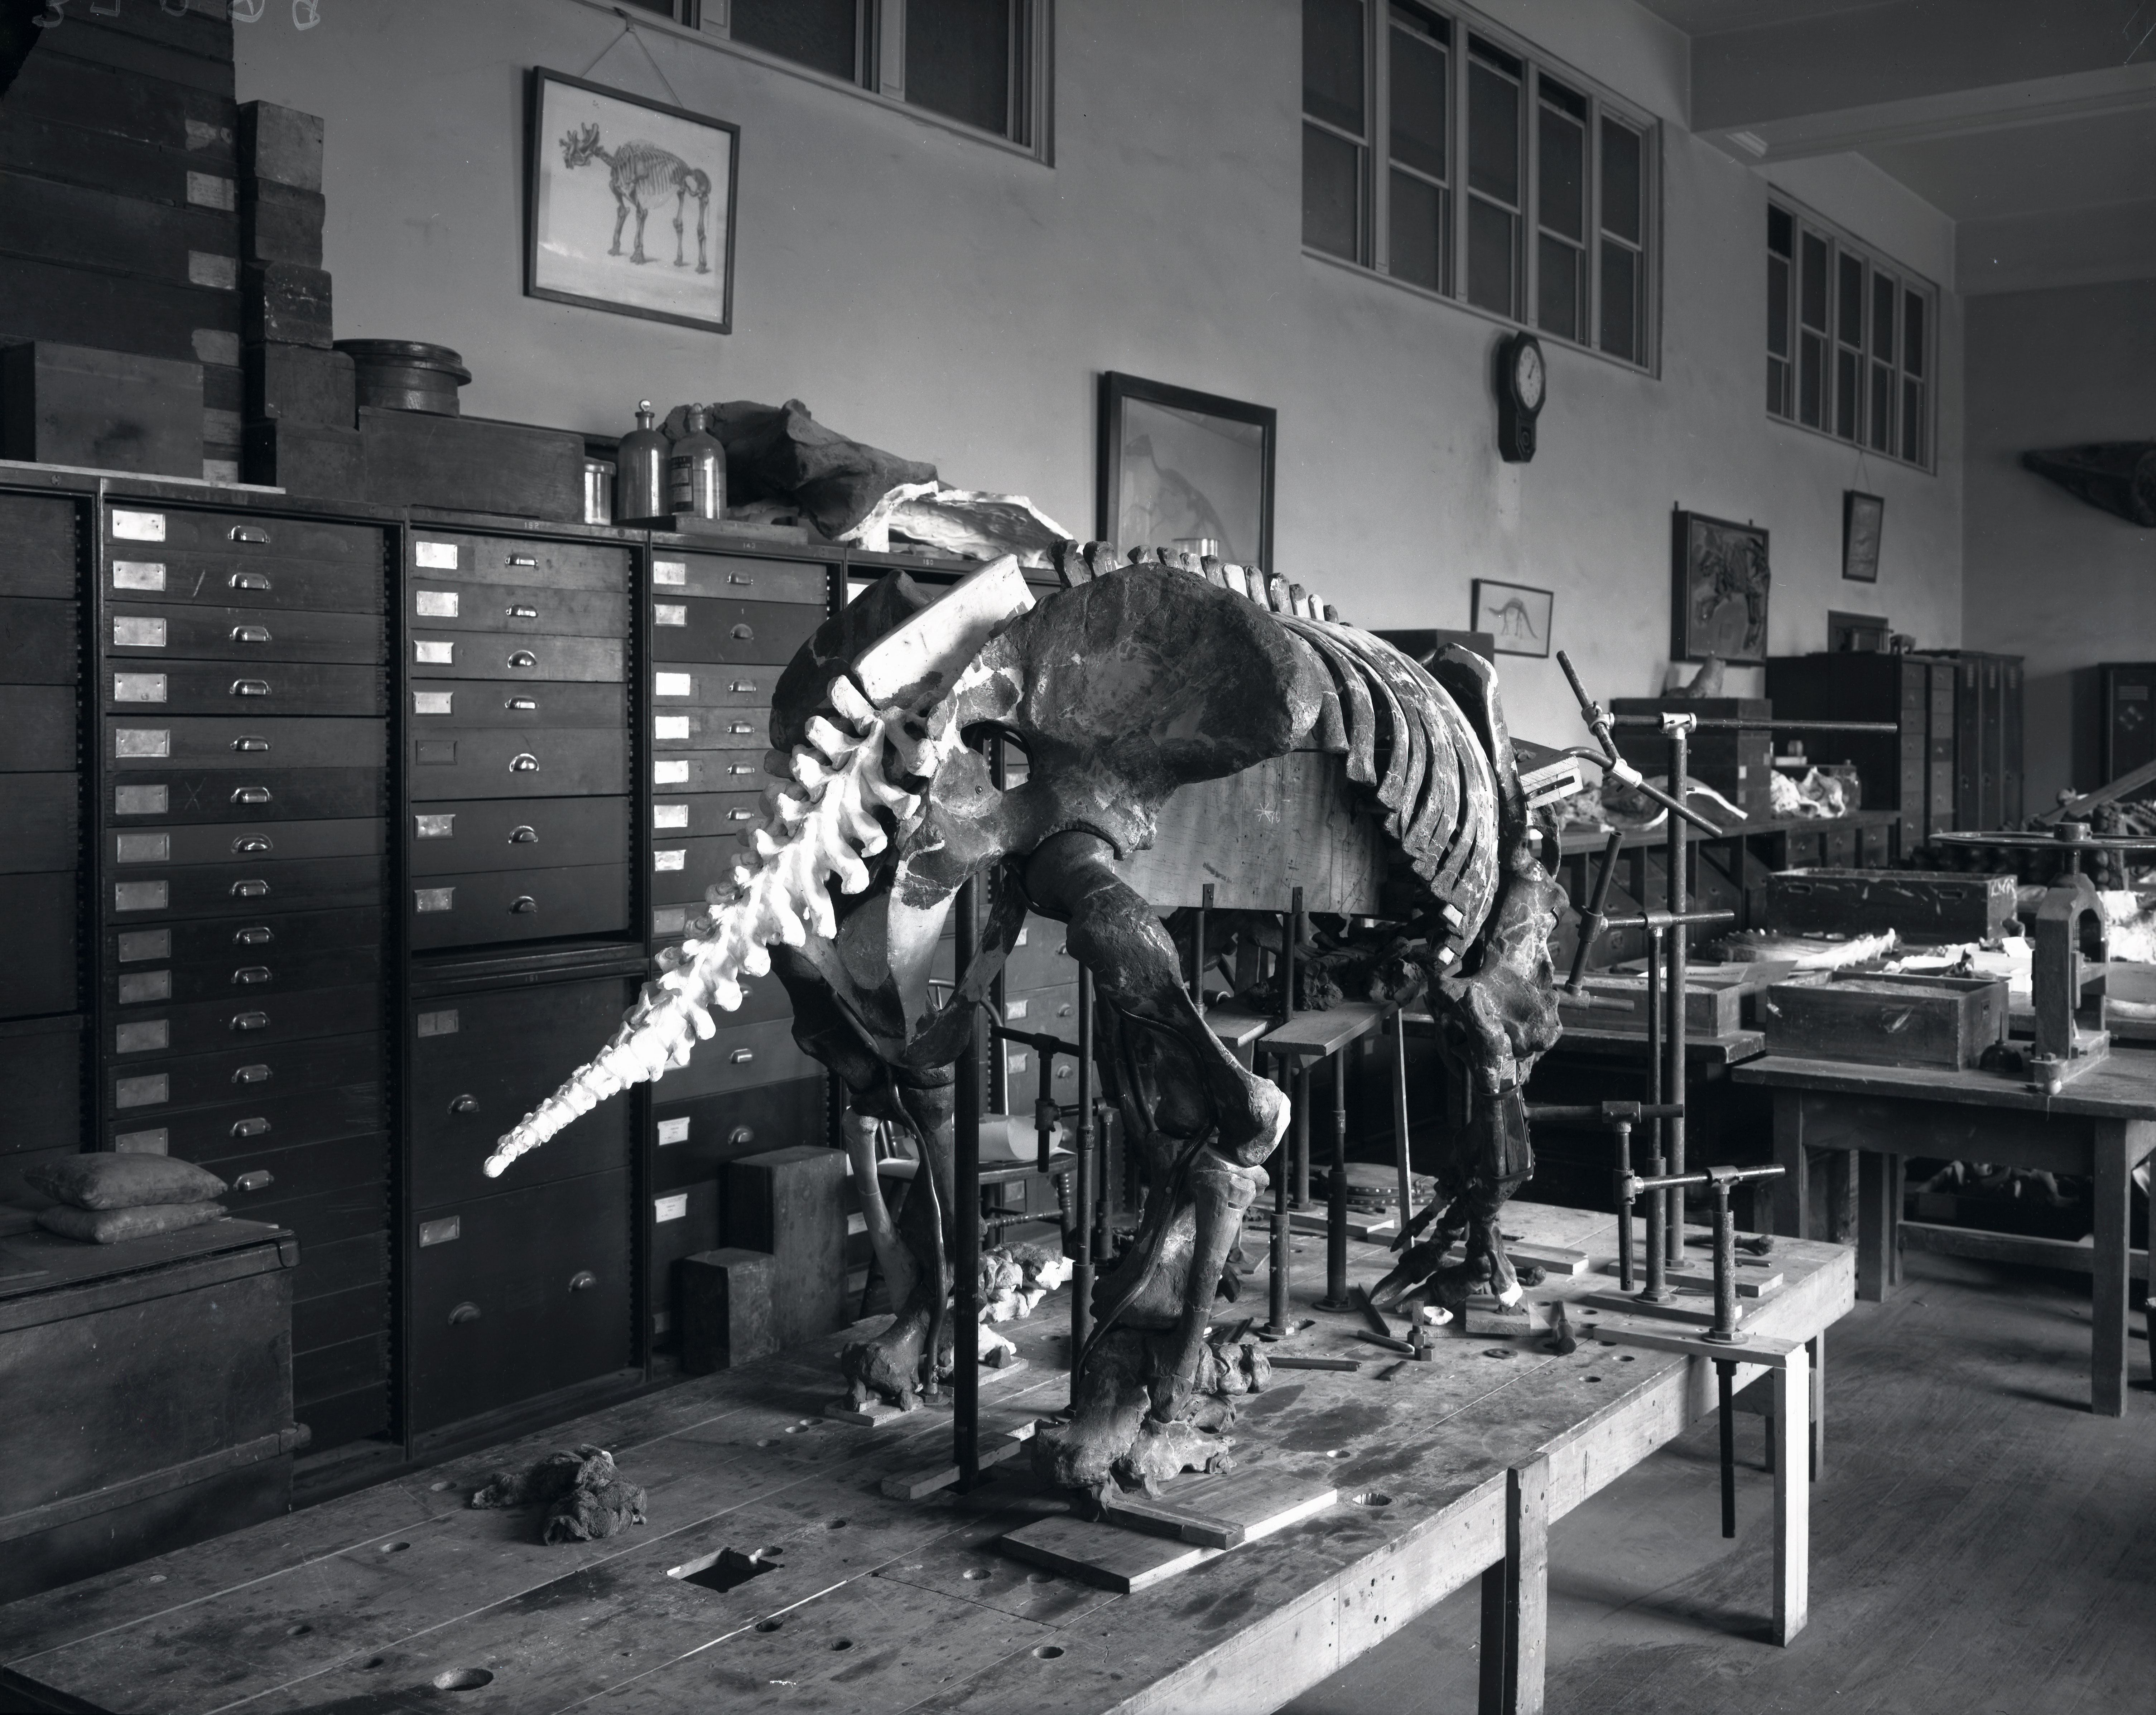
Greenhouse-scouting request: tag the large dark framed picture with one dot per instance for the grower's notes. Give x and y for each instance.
(1862, 517)
(630, 205)
(1721, 579)
(1516, 616)
(1184, 468)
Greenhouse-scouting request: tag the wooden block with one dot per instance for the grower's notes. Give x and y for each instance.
(1550, 1259)
(868, 1416)
(1236, 1027)
(280, 223)
(1925, 908)
(1284, 1361)
(1313, 1036)
(1765, 1350)
(727, 1315)
(285, 302)
(1883, 1020)
(1160, 1517)
(280, 144)
(1261, 1500)
(789, 1203)
(304, 458)
(914, 1485)
(1125, 1561)
(1359, 1226)
(1497, 1325)
(1620, 1003)
(471, 463)
(1687, 1310)
(108, 410)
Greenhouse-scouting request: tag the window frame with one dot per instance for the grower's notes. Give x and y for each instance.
(882, 79)
(1898, 363)
(1459, 27)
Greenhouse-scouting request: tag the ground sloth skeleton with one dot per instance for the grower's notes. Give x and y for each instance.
(1132, 682)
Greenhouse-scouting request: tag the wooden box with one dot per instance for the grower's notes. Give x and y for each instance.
(1714, 1004)
(789, 1204)
(473, 464)
(177, 1351)
(1736, 763)
(1921, 907)
(1884, 1020)
(106, 410)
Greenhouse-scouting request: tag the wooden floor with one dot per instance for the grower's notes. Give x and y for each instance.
(1981, 1544)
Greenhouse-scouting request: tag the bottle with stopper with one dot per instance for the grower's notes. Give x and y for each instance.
(639, 483)
(696, 470)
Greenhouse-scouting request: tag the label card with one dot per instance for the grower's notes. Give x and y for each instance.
(138, 526)
(434, 556)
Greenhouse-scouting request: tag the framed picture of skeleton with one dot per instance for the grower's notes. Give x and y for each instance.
(1718, 604)
(630, 205)
(1516, 616)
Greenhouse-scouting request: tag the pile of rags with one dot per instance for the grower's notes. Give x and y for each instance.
(103, 1198)
(583, 1494)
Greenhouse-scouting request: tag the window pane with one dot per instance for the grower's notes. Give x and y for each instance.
(1493, 133)
(1778, 388)
(1913, 333)
(1882, 316)
(1849, 324)
(822, 33)
(1813, 305)
(1621, 210)
(1332, 62)
(1490, 257)
(1558, 287)
(1417, 89)
(1620, 303)
(1331, 193)
(1883, 408)
(1418, 232)
(957, 60)
(1912, 421)
(1781, 232)
(1811, 380)
(1778, 306)
(1562, 175)
(1848, 391)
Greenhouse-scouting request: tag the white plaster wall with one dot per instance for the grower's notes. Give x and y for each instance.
(2048, 576)
(952, 302)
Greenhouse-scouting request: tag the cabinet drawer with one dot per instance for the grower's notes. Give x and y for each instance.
(147, 631)
(179, 530)
(704, 814)
(716, 685)
(446, 655)
(690, 628)
(507, 703)
(287, 1122)
(265, 582)
(1038, 961)
(517, 1294)
(235, 890)
(151, 1089)
(43, 814)
(1052, 1009)
(463, 836)
(258, 794)
(694, 1139)
(265, 688)
(209, 1027)
(264, 1170)
(225, 948)
(553, 566)
(738, 577)
(515, 610)
(40, 642)
(741, 1058)
(233, 975)
(37, 953)
(710, 772)
(711, 728)
(537, 904)
(553, 762)
(212, 842)
(682, 869)
(211, 741)
(40, 558)
(319, 1215)
(37, 729)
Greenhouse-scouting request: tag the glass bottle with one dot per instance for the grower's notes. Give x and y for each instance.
(696, 470)
(639, 481)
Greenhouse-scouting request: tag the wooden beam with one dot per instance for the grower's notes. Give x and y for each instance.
(2019, 1248)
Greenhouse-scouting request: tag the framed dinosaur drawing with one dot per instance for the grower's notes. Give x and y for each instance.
(629, 204)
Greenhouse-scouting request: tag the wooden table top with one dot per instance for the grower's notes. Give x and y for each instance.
(36, 1261)
(881, 1605)
(2122, 1087)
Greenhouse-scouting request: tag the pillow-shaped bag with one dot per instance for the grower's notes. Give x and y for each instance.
(109, 1227)
(110, 1181)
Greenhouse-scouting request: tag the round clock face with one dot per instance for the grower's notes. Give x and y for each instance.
(1528, 377)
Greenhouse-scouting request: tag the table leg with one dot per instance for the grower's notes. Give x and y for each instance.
(2110, 1164)
(1878, 1221)
(1792, 1190)
(1793, 1502)
(1841, 1178)
(1816, 1347)
(1515, 1600)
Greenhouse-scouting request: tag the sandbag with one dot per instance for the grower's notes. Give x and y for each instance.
(110, 1181)
(109, 1227)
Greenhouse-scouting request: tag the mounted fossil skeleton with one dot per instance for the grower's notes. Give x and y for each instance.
(1129, 684)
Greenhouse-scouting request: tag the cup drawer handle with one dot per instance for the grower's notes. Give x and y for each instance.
(250, 1127)
(465, 1312)
(250, 743)
(248, 580)
(251, 1074)
(744, 634)
(517, 610)
(250, 1020)
(531, 559)
(523, 705)
(250, 795)
(249, 533)
(248, 974)
(251, 634)
(250, 890)
(255, 935)
(524, 835)
(524, 762)
(741, 1057)
(250, 687)
(583, 1281)
(523, 658)
(248, 845)
(740, 1137)
(464, 1104)
(524, 906)
(259, 1180)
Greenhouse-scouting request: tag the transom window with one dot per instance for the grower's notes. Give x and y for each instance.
(1447, 157)
(1849, 340)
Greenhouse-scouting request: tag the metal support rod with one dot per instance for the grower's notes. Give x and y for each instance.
(1276, 1317)
(1725, 1374)
(1657, 1290)
(1655, 1091)
(1725, 1262)
(999, 1090)
(1719, 724)
(1402, 1159)
(1299, 1080)
(1336, 1188)
(1088, 1177)
(1291, 941)
(966, 1208)
(1679, 936)
(1198, 949)
(1623, 1135)
(1597, 912)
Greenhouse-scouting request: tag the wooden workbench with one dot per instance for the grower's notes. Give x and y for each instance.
(369, 1602)
(2102, 1125)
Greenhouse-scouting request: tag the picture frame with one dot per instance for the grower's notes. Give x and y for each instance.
(1862, 516)
(1180, 467)
(1515, 617)
(588, 243)
(1721, 578)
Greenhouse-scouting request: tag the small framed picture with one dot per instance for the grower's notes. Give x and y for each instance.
(1517, 617)
(1862, 516)
(1184, 468)
(630, 205)
(1720, 579)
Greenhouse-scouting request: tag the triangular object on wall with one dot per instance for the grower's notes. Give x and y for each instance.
(2118, 476)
